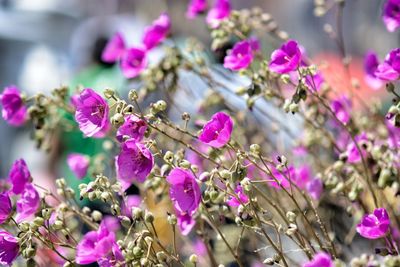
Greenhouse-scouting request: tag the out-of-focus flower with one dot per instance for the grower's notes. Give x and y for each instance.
(320, 260)
(299, 176)
(196, 7)
(218, 130)
(184, 191)
(133, 62)
(375, 225)
(371, 63)
(241, 55)
(19, 176)
(242, 198)
(353, 155)
(157, 32)
(133, 128)
(79, 164)
(5, 207)
(8, 248)
(389, 70)
(91, 113)
(220, 11)
(185, 223)
(391, 15)
(133, 163)
(114, 49)
(285, 59)
(14, 110)
(314, 188)
(130, 202)
(97, 246)
(28, 204)
(342, 108)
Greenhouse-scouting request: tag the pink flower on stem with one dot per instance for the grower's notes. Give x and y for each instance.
(391, 15)
(130, 202)
(133, 62)
(375, 225)
(9, 248)
(5, 207)
(353, 155)
(342, 108)
(133, 163)
(185, 223)
(315, 188)
(79, 164)
(114, 49)
(91, 113)
(389, 70)
(28, 204)
(371, 63)
(157, 32)
(242, 198)
(286, 59)
(14, 110)
(220, 11)
(196, 7)
(19, 176)
(320, 260)
(133, 128)
(217, 131)
(241, 55)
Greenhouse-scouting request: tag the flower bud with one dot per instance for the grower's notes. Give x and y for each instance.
(46, 213)
(149, 217)
(168, 156)
(184, 164)
(117, 120)
(161, 256)
(291, 216)
(137, 213)
(108, 93)
(255, 149)
(193, 258)
(58, 224)
(97, 216)
(172, 220)
(133, 95)
(125, 221)
(160, 105)
(38, 221)
(137, 251)
(225, 174)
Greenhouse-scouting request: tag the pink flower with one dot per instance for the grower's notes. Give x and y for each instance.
(184, 191)
(375, 225)
(299, 176)
(320, 260)
(185, 223)
(196, 7)
(5, 207)
(98, 246)
(242, 198)
(342, 108)
(371, 63)
(241, 55)
(130, 202)
(285, 59)
(134, 163)
(314, 188)
(79, 164)
(14, 110)
(133, 128)
(19, 176)
(220, 11)
(217, 131)
(133, 62)
(91, 113)
(8, 248)
(28, 204)
(391, 15)
(157, 32)
(353, 155)
(389, 70)
(114, 49)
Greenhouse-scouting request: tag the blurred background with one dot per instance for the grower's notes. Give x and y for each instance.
(48, 43)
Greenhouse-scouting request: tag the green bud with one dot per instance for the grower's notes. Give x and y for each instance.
(137, 251)
(108, 93)
(160, 105)
(169, 157)
(58, 224)
(291, 216)
(39, 221)
(161, 256)
(125, 221)
(184, 164)
(149, 217)
(255, 149)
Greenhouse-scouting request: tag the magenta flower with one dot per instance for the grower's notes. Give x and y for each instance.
(134, 163)
(196, 7)
(97, 246)
(185, 223)
(342, 108)
(19, 176)
(241, 55)
(220, 11)
(371, 63)
(14, 110)
(353, 155)
(157, 32)
(242, 198)
(320, 260)
(133, 128)
(389, 70)
(91, 113)
(130, 202)
(299, 176)
(8, 248)
(133, 62)
(184, 191)
(286, 59)
(375, 225)
(217, 131)
(79, 164)
(28, 204)
(5, 207)
(391, 15)
(315, 188)
(114, 49)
